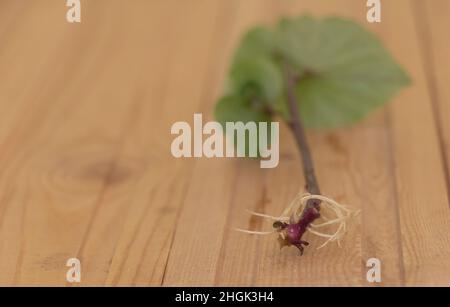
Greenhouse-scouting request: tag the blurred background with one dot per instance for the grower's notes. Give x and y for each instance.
(86, 168)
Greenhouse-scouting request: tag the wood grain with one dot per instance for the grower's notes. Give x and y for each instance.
(87, 170)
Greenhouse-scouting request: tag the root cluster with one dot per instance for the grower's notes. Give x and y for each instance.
(293, 213)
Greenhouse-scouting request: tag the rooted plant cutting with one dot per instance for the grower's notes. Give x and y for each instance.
(311, 73)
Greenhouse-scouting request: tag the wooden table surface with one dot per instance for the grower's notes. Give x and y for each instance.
(86, 168)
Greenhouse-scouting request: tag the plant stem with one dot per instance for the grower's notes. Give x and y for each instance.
(298, 130)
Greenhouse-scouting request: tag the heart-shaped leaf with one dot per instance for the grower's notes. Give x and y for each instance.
(344, 73)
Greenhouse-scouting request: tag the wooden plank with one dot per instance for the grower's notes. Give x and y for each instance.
(419, 169)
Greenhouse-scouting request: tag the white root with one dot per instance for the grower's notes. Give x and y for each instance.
(261, 233)
(292, 214)
(270, 217)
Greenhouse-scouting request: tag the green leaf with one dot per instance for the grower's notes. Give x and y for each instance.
(235, 109)
(257, 42)
(254, 73)
(344, 73)
(345, 70)
(258, 77)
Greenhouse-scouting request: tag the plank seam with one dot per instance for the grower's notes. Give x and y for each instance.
(172, 239)
(401, 261)
(219, 263)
